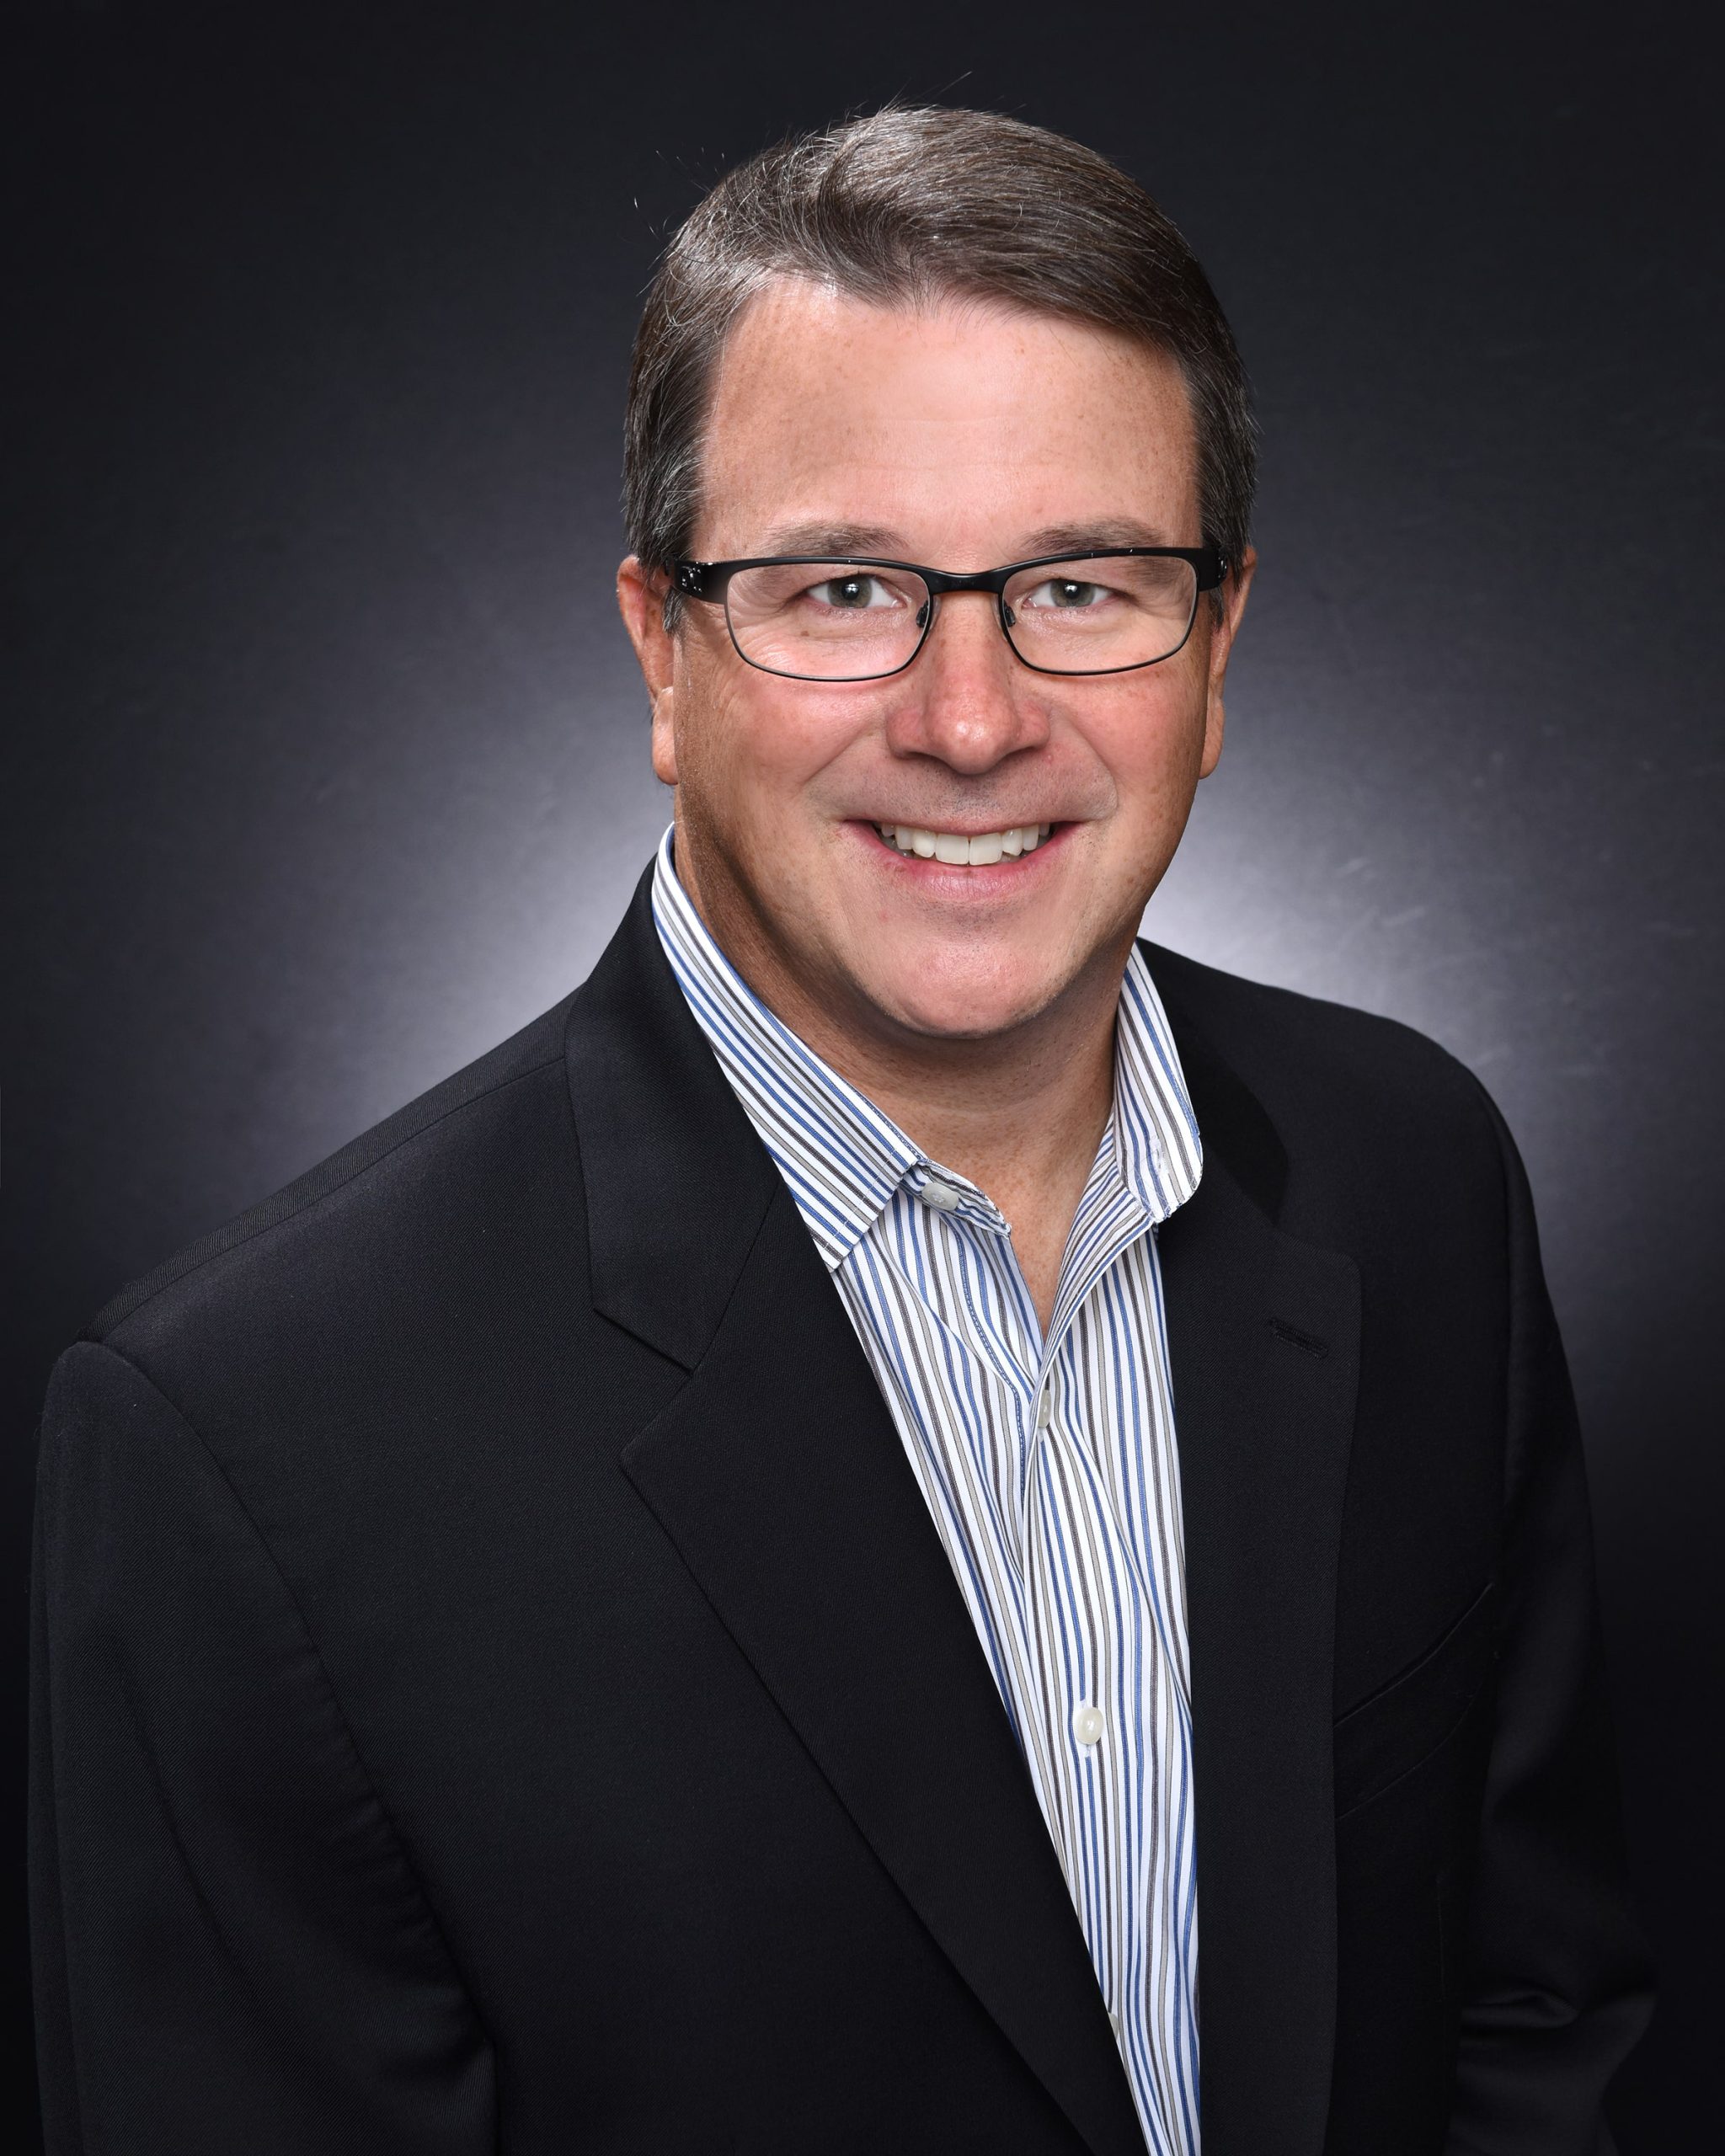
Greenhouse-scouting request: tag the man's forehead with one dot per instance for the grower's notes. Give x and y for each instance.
(841, 425)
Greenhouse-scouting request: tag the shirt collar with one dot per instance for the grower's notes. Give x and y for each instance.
(843, 1160)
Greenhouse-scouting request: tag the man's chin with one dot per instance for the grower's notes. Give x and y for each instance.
(931, 1006)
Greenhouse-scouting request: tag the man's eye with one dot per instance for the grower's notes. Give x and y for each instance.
(852, 595)
(1065, 591)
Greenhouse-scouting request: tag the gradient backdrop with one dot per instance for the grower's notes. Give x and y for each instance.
(326, 766)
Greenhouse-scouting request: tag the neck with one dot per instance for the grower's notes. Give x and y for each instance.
(1020, 1114)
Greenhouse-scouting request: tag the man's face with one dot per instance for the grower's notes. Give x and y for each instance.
(963, 437)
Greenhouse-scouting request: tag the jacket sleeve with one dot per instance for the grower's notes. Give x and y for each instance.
(1557, 1987)
(231, 1951)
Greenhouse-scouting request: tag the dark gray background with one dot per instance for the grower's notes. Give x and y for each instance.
(327, 765)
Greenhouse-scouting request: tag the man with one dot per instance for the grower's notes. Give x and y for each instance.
(908, 1525)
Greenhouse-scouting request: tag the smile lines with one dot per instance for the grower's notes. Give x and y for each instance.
(957, 852)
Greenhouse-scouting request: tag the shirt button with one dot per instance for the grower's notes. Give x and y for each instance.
(939, 1196)
(1044, 1407)
(1088, 1725)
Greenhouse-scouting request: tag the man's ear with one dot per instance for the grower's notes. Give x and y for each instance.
(665, 738)
(1235, 588)
(640, 599)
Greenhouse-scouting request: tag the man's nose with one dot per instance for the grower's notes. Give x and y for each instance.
(966, 699)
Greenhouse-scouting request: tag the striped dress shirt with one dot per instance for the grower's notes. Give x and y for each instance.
(1048, 1463)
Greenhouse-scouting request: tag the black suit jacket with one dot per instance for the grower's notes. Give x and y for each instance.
(497, 1687)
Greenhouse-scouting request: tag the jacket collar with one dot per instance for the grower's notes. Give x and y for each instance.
(821, 1560)
(677, 1184)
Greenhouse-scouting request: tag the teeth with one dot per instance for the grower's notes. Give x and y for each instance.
(956, 850)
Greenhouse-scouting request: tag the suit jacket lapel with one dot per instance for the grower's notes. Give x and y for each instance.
(1263, 1340)
(778, 1475)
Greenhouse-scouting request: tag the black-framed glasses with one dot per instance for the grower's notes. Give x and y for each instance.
(815, 617)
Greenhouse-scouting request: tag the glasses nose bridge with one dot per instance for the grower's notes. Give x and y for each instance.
(989, 583)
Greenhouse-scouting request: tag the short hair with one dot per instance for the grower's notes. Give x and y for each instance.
(907, 206)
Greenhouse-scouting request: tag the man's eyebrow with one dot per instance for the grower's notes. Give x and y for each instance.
(836, 541)
(833, 540)
(1097, 537)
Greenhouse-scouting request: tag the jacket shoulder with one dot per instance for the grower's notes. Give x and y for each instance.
(1287, 1038)
(410, 1162)
(1351, 1095)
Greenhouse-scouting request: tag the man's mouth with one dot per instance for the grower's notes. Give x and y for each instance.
(960, 850)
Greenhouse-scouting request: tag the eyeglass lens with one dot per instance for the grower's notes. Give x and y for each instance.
(833, 622)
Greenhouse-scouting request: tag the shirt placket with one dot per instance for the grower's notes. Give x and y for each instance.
(1071, 1490)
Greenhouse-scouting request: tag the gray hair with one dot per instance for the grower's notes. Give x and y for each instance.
(906, 206)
